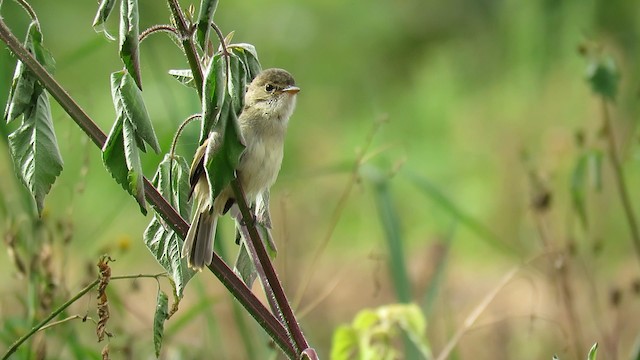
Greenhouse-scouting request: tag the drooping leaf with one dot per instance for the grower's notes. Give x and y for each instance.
(250, 58)
(603, 75)
(244, 266)
(132, 158)
(205, 17)
(224, 150)
(128, 99)
(25, 89)
(163, 242)
(34, 149)
(104, 10)
(212, 94)
(132, 126)
(184, 76)
(237, 82)
(129, 45)
(160, 316)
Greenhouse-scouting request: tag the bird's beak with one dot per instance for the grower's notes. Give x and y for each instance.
(291, 90)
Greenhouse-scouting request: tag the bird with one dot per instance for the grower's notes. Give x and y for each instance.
(269, 102)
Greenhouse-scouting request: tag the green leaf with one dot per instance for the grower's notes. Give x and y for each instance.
(184, 76)
(135, 177)
(212, 94)
(603, 75)
(25, 90)
(593, 352)
(344, 344)
(237, 83)
(163, 242)
(104, 10)
(392, 228)
(34, 149)
(129, 45)
(132, 126)
(128, 100)
(224, 150)
(161, 314)
(244, 266)
(205, 17)
(250, 58)
(578, 189)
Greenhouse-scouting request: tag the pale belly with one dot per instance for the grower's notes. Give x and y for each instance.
(260, 165)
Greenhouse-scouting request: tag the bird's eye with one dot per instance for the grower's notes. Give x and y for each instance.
(269, 88)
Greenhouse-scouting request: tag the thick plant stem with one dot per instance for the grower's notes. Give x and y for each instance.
(230, 280)
(621, 183)
(186, 37)
(291, 324)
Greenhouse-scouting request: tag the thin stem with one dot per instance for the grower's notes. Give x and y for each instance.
(60, 322)
(620, 180)
(291, 324)
(337, 212)
(158, 28)
(186, 37)
(226, 276)
(44, 321)
(174, 142)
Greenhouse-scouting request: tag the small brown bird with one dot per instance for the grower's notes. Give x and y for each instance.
(268, 104)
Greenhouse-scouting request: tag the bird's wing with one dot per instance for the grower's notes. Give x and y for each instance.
(211, 145)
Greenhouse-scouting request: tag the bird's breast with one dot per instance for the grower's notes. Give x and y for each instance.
(260, 164)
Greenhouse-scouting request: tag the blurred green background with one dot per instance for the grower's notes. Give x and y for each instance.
(475, 96)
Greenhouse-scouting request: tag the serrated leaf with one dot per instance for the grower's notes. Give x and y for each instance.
(116, 162)
(603, 75)
(205, 17)
(184, 76)
(212, 94)
(129, 44)
(34, 149)
(25, 90)
(593, 352)
(135, 177)
(223, 153)
(162, 241)
(104, 10)
(127, 99)
(244, 266)
(160, 316)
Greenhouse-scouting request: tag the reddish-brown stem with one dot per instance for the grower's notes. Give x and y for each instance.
(220, 269)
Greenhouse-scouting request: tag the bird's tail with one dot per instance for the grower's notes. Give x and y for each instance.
(198, 246)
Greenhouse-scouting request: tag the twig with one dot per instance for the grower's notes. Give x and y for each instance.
(158, 28)
(32, 14)
(473, 316)
(220, 269)
(186, 37)
(44, 321)
(337, 212)
(174, 142)
(60, 322)
(620, 180)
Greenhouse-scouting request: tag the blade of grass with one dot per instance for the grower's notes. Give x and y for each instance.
(431, 191)
(438, 275)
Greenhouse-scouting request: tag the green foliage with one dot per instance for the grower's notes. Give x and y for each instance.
(104, 10)
(205, 17)
(603, 75)
(131, 130)
(159, 318)
(129, 39)
(163, 242)
(33, 145)
(593, 352)
(590, 160)
(371, 334)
